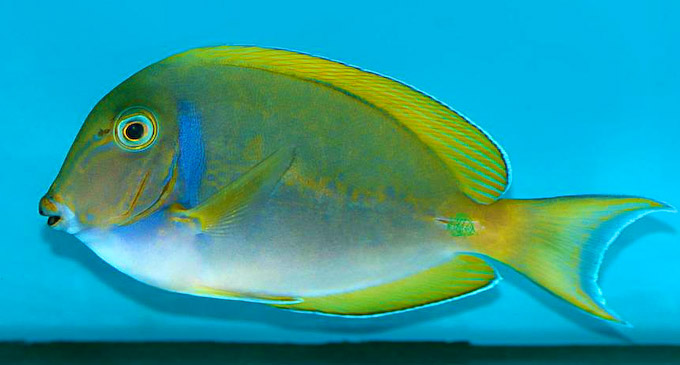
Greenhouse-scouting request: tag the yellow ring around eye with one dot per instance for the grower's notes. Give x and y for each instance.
(136, 129)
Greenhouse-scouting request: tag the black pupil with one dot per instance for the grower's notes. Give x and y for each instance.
(134, 131)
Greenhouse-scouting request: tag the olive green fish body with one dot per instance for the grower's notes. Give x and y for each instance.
(272, 176)
(350, 195)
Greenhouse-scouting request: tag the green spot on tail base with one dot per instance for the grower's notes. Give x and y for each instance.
(460, 226)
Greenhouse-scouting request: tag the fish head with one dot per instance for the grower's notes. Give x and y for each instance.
(121, 166)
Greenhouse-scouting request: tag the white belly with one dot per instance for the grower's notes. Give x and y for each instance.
(279, 252)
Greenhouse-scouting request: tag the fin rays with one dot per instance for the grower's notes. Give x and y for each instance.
(218, 213)
(463, 275)
(461, 145)
(559, 243)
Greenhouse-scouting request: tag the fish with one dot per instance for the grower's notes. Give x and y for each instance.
(282, 178)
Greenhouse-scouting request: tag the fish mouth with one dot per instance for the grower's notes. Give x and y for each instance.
(53, 220)
(59, 215)
(49, 209)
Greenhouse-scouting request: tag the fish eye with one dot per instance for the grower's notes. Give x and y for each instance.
(136, 129)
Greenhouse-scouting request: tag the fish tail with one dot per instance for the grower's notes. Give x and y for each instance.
(559, 242)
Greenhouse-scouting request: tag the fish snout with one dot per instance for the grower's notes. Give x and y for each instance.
(48, 208)
(59, 215)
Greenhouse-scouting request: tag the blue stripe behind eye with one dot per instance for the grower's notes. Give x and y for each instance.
(191, 152)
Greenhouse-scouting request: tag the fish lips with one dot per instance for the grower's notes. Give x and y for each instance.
(59, 215)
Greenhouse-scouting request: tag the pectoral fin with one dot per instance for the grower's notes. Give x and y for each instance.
(464, 275)
(235, 201)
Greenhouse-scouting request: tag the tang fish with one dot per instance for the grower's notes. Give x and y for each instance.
(277, 177)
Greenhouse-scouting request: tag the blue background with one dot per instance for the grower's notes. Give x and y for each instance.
(582, 95)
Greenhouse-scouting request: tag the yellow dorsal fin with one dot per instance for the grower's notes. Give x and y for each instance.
(475, 160)
(463, 275)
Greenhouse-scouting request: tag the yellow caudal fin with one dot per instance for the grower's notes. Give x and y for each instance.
(559, 242)
(464, 275)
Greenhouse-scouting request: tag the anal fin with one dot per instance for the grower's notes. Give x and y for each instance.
(205, 291)
(463, 275)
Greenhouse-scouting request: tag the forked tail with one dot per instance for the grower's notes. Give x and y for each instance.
(559, 242)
